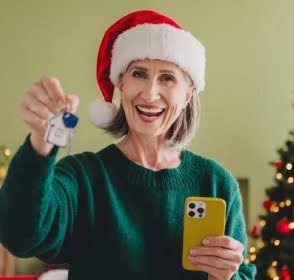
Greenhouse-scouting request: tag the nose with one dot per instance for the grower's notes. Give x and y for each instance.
(151, 91)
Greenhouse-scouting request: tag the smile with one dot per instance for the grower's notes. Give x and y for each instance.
(149, 112)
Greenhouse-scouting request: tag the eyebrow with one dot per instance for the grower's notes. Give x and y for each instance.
(146, 69)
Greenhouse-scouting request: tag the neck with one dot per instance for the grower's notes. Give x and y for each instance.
(150, 153)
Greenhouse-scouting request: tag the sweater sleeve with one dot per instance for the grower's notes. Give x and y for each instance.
(236, 228)
(36, 210)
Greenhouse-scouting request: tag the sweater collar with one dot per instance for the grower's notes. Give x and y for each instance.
(169, 178)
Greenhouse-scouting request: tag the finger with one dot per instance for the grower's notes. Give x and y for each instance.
(229, 262)
(223, 241)
(55, 91)
(37, 92)
(31, 103)
(32, 120)
(215, 274)
(221, 271)
(43, 97)
(219, 252)
(73, 103)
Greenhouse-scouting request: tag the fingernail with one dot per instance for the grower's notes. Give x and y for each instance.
(192, 252)
(205, 241)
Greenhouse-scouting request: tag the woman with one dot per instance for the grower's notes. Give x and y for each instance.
(117, 213)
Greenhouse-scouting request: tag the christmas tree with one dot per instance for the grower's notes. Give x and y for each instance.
(272, 246)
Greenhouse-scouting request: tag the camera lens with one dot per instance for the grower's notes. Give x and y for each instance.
(192, 205)
(200, 210)
(191, 213)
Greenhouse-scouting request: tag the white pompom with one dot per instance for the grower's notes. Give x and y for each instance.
(101, 113)
(58, 274)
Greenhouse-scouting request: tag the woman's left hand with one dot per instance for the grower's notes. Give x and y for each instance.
(219, 256)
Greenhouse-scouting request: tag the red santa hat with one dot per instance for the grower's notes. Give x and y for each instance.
(140, 35)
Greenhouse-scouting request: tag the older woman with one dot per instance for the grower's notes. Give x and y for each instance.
(118, 213)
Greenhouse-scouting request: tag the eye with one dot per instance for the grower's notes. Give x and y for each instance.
(167, 78)
(139, 74)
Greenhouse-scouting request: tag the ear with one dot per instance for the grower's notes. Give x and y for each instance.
(120, 85)
(191, 91)
(120, 82)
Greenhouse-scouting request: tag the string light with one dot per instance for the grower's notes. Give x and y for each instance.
(272, 272)
(277, 242)
(291, 225)
(252, 258)
(261, 245)
(289, 166)
(279, 176)
(274, 208)
(7, 152)
(262, 223)
(282, 204)
(290, 180)
(252, 249)
(288, 202)
(4, 159)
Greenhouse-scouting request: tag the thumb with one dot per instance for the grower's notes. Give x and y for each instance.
(73, 103)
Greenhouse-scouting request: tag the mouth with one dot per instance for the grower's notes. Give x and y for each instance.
(149, 112)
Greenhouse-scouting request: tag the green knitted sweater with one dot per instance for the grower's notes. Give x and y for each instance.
(107, 217)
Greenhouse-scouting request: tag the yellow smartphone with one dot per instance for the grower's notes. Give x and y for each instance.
(203, 217)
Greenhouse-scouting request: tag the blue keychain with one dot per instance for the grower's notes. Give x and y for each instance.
(69, 120)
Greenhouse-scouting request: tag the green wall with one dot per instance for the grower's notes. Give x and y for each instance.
(246, 107)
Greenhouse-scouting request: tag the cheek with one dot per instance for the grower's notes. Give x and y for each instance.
(177, 100)
(128, 91)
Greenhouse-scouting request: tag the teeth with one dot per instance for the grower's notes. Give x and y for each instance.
(150, 110)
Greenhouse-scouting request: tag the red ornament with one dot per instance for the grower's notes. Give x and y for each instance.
(253, 231)
(285, 274)
(278, 163)
(267, 204)
(283, 227)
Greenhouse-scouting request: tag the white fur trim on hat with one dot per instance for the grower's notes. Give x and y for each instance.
(58, 274)
(159, 41)
(101, 113)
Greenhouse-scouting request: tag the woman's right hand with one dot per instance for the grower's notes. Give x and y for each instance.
(43, 100)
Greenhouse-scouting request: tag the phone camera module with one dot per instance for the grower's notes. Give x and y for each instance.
(192, 205)
(191, 213)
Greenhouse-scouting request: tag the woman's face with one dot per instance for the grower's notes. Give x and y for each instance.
(153, 94)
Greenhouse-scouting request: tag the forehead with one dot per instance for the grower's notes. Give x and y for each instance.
(156, 64)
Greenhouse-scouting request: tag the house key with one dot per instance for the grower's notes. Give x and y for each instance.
(60, 129)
